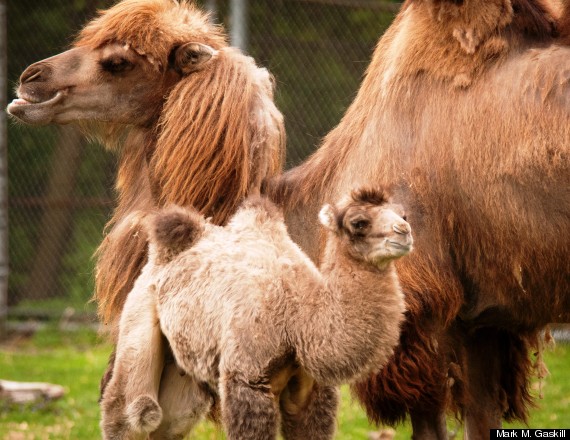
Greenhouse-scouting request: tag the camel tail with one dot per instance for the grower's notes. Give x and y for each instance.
(172, 230)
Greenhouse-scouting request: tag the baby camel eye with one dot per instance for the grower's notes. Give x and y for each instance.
(116, 64)
(360, 224)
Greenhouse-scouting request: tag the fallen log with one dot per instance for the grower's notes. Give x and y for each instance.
(29, 392)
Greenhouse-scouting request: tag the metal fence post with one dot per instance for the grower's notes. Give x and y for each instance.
(212, 7)
(3, 174)
(238, 24)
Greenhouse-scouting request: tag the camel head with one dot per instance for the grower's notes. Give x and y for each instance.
(370, 227)
(121, 67)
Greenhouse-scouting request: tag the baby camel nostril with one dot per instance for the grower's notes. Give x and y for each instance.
(32, 73)
(401, 228)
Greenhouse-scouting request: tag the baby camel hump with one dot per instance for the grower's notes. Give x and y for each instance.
(233, 285)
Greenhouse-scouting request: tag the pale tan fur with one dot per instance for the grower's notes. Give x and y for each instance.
(248, 315)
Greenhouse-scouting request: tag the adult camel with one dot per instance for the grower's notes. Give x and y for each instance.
(465, 109)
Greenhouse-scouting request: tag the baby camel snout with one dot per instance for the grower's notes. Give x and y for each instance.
(401, 239)
(401, 227)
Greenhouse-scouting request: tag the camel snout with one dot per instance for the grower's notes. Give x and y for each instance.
(402, 228)
(35, 72)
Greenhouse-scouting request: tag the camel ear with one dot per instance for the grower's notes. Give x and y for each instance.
(191, 57)
(327, 217)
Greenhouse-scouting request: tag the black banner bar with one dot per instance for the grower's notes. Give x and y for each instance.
(530, 433)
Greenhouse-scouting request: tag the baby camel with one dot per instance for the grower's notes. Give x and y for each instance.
(253, 321)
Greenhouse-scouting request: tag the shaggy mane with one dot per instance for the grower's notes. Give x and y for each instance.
(208, 148)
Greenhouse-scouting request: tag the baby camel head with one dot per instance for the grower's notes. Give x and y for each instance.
(369, 226)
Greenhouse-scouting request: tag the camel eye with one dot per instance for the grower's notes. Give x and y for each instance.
(404, 217)
(360, 224)
(116, 65)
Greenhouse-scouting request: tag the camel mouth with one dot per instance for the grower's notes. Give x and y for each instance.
(389, 250)
(33, 111)
(25, 100)
(402, 248)
(397, 244)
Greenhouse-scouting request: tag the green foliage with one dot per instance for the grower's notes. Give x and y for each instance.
(37, 30)
(318, 55)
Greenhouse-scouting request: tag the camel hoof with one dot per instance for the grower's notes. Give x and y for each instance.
(144, 414)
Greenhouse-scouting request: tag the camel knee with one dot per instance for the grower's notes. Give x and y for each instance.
(114, 425)
(123, 417)
(128, 408)
(143, 414)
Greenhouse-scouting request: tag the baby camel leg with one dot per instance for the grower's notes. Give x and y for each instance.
(315, 419)
(184, 403)
(248, 412)
(129, 406)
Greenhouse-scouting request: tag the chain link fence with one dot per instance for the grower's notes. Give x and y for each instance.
(61, 186)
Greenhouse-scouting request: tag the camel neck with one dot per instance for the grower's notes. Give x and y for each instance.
(345, 334)
(342, 270)
(133, 180)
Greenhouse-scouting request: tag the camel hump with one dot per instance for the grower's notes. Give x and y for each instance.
(174, 229)
(264, 206)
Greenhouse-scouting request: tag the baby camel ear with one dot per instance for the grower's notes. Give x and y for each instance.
(191, 57)
(327, 218)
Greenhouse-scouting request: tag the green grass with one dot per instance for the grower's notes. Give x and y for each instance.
(553, 411)
(77, 360)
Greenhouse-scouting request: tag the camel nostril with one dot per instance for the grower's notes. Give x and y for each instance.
(32, 73)
(401, 228)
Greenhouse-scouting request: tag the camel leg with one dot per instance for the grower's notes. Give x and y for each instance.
(107, 375)
(129, 405)
(184, 403)
(316, 420)
(487, 403)
(248, 412)
(429, 426)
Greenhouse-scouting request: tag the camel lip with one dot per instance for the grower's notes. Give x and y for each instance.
(400, 246)
(26, 101)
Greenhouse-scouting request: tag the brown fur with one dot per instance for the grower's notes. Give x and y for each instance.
(564, 23)
(464, 110)
(280, 336)
(208, 156)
